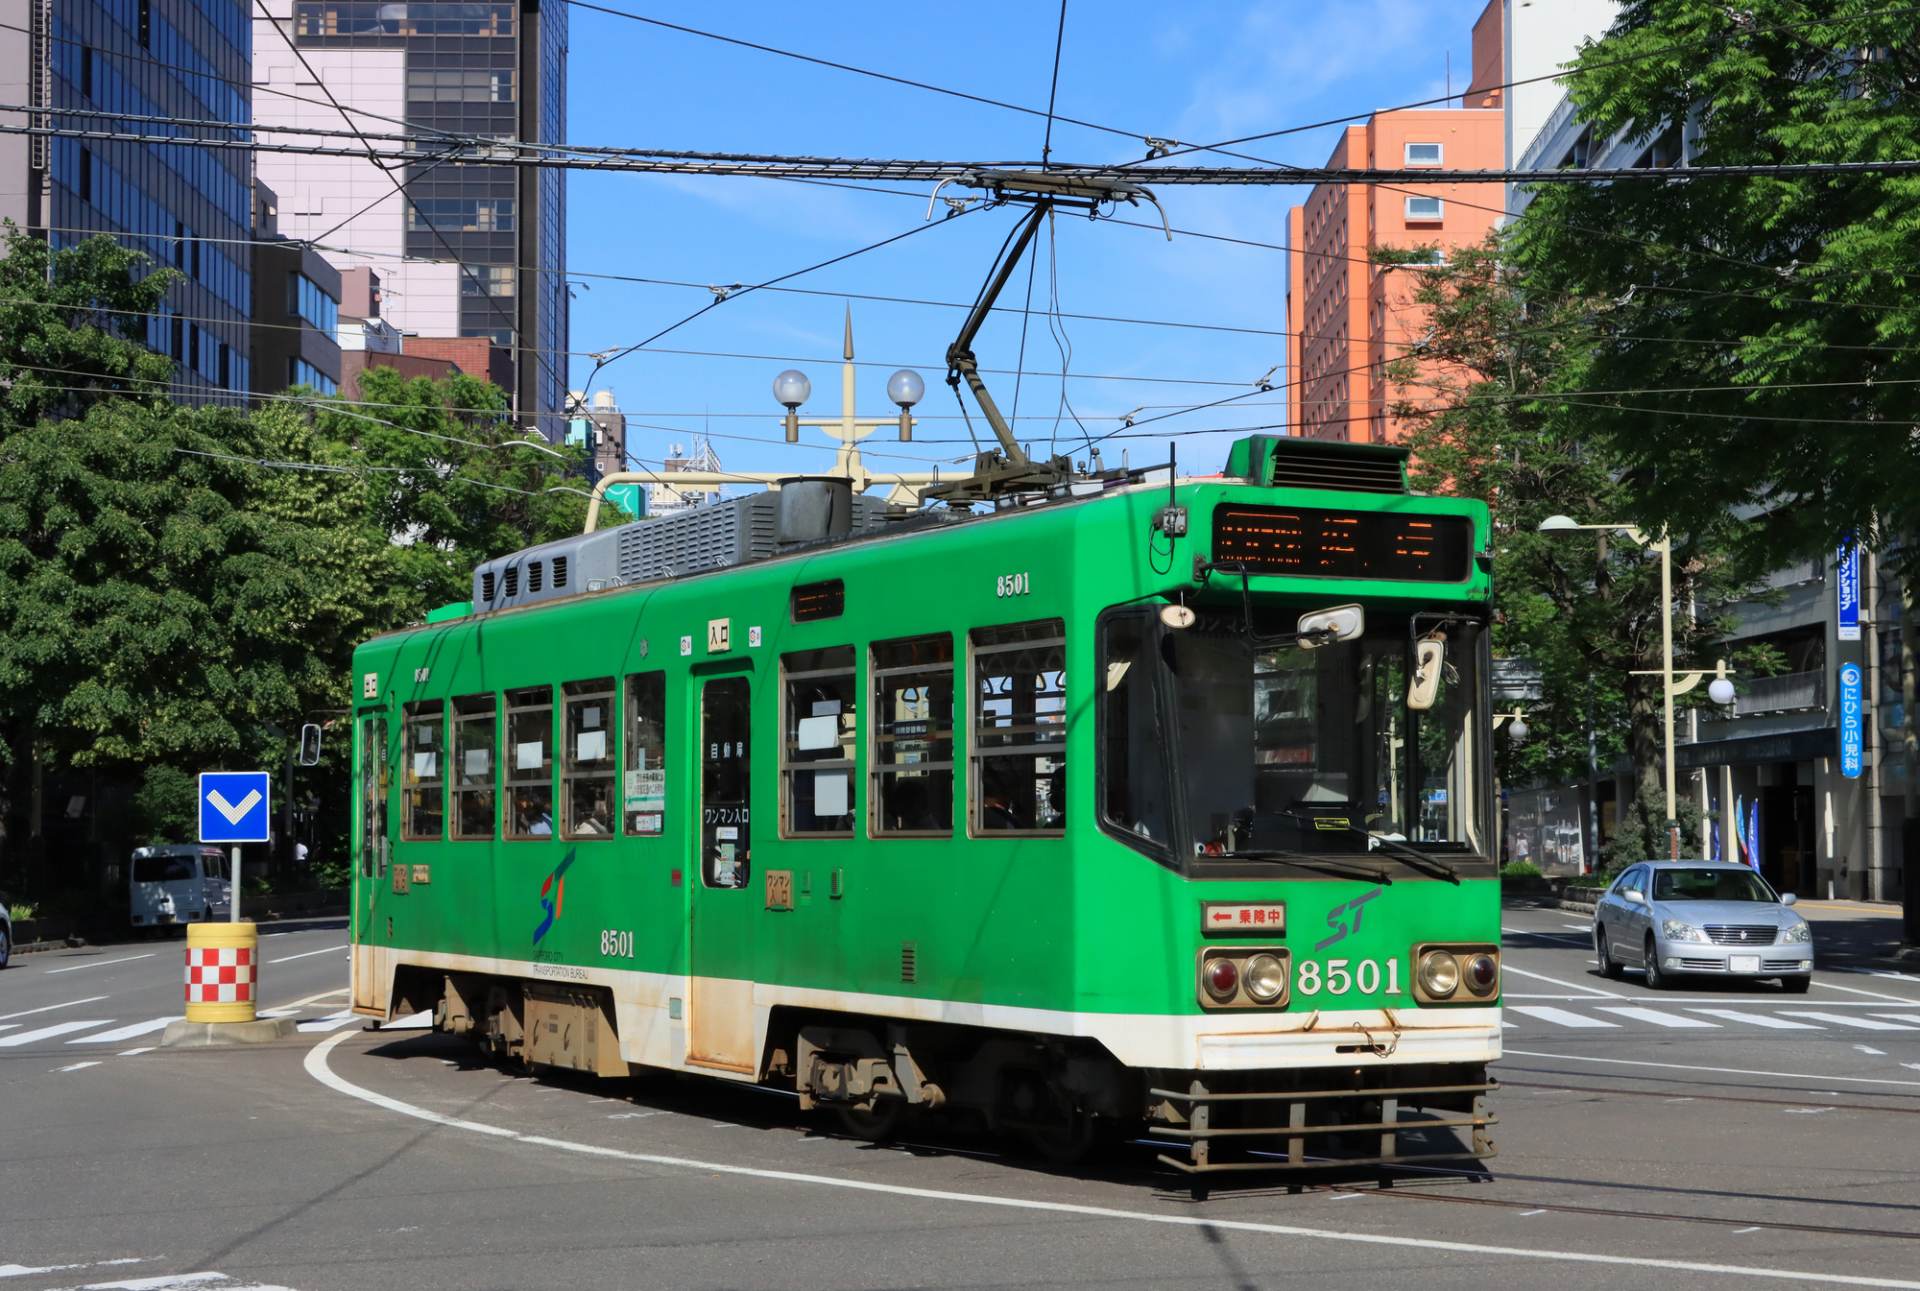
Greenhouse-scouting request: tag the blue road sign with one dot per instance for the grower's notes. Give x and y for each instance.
(233, 806)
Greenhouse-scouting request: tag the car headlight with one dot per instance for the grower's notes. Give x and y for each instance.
(1439, 974)
(1797, 932)
(1675, 930)
(1265, 978)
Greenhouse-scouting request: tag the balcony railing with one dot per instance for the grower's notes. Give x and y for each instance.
(1785, 693)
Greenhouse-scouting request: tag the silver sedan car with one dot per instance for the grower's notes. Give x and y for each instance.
(1712, 918)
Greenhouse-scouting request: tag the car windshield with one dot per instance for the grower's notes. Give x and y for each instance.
(162, 869)
(1281, 747)
(1709, 885)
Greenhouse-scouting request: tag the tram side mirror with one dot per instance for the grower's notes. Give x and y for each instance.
(310, 745)
(1317, 628)
(1428, 659)
(1177, 617)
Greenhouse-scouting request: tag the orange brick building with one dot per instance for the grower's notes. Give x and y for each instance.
(1347, 318)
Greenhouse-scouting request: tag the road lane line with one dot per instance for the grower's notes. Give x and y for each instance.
(22, 1270)
(1716, 1071)
(76, 1066)
(128, 1032)
(134, 1053)
(316, 1066)
(305, 954)
(1901, 1017)
(48, 1033)
(48, 1008)
(1758, 1019)
(1855, 990)
(1554, 981)
(102, 963)
(1563, 1017)
(1838, 1019)
(1678, 1021)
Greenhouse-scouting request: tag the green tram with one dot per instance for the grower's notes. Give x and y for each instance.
(1162, 807)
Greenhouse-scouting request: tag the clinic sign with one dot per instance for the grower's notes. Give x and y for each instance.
(1846, 585)
(1852, 728)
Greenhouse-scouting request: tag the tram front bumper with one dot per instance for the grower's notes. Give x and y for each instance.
(1394, 1036)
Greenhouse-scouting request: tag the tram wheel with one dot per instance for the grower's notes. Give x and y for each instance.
(876, 1124)
(1065, 1144)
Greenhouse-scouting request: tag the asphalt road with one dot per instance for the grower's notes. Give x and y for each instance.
(1711, 1137)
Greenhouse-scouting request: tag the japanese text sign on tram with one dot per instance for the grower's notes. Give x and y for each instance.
(1846, 585)
(1222, 918)
(233, 806)
(1852, 729)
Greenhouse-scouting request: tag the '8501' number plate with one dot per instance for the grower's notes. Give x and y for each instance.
(1347, 976)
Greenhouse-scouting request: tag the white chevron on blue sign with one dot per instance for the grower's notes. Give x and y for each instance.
(234, 807)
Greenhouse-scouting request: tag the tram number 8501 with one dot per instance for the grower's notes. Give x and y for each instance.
(616, 945)
(1013, 585)
(1340, 976)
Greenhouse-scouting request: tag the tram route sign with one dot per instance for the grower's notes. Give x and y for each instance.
(234, 806)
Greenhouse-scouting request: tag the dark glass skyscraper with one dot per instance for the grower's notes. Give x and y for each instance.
(496, 69)
(190, 208)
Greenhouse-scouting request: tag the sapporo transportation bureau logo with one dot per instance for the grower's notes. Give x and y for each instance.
(553, 896)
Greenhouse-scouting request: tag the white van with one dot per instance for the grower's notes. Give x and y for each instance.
(178, 884)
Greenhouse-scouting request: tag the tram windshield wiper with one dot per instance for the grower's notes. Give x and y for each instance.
(1431, 866)
(1302, 860)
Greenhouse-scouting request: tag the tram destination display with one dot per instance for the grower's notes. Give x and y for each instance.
(1314, 543)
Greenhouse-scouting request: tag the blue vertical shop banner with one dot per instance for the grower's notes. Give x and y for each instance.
(1852, 724)
(1753, 833)
(1846, 587)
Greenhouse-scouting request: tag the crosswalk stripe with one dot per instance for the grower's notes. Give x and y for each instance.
(1758, 1019)
(1677, 1021)
(1561, 1017)
(1900, 1017)
(8, 1026)
(127, 1032)
(1838, 1019)
(48, 1033)
(332, 1022)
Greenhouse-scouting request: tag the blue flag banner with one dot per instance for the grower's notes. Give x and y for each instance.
(1846, 587)
(1753, 834)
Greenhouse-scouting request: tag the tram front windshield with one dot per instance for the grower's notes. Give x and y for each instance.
(1280, 747)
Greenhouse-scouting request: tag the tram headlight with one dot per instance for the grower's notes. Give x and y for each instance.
(1439, 974)
(1221, 978)
(1482, 973)
(1266, 978)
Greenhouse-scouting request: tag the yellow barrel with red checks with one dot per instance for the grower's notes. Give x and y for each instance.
(223, 971)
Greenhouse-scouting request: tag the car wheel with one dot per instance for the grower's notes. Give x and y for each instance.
(6, 945)
(1656, 980)
(1608, 968)
(1797, 984)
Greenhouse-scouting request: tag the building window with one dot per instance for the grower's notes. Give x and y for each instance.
(1424, 154)
(586, 768)
(530, 772)
(816, 747)
(423, 774)
(302, 373)
(1019, 728)
(474, 737)
(912, 726)
(307, 301)
(644, 791)
(1425, 210)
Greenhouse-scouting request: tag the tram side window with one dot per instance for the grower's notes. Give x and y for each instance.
(912, 724)
(530, 764)
(816, 751)
(1133, 769)
(586, 769)
(644, 787)
(475, 735)
(1019, 753)
(424, 770)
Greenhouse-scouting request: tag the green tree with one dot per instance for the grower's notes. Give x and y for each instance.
(1762, 334)
(1478, 393)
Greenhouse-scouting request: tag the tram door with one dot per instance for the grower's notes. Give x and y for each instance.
(373, 846)
(720, 940)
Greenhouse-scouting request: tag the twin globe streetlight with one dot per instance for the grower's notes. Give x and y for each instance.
(792, 388)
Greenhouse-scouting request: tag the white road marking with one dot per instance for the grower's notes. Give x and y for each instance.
(102, 963)
(306, 954)
(1807, 1111)
(1753, 1229)
(75, 1066)
(315, 999)
(1718, 1071)
(178, 1281)
(276, 1013)
(1582, 927)
(1677, 1021)
(1838, 1019)
(1562, 1017)
(1525, 1214)
(21, 1270)
(1901, 1017)
(316, 1066)
(1855, 990)
(1554, 981)
(132, 1031)
(48, 1008)
(332, 1022)
(9, 1026)
(1758, 1019)
(630, 1116)
(1870, 1050)
(48, 1033)
(412, 1022)
(134, 1053)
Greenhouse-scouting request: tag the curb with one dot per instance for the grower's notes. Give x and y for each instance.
(182, 1034)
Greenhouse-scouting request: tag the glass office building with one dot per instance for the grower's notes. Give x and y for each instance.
(189, 208)
(495, 69)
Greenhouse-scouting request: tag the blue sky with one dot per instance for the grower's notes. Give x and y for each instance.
(1200, 72)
